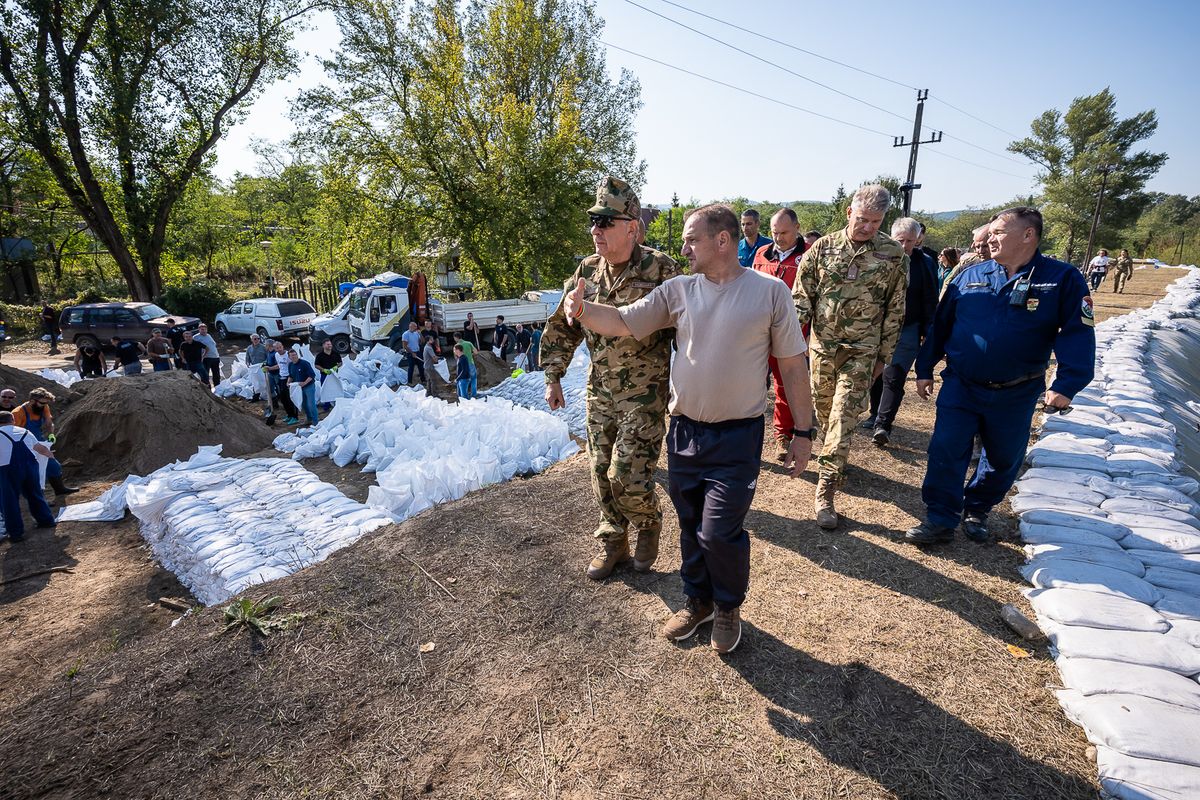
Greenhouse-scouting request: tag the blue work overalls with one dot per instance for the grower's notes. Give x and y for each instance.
(20, 476)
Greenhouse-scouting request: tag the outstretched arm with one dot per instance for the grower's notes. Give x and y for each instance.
(604, 320)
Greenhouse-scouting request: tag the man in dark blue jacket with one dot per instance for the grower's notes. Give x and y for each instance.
(920, 299)
(996, 326)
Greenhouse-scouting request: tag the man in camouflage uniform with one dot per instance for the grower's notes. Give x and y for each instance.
(980, 252)
(851, 290)
(1122, 272)
(628, 385)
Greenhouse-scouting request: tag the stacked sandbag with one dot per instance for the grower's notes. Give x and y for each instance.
(529, 390)
(425, 451)
(63, 377)
(223, 525)
(1111, 522)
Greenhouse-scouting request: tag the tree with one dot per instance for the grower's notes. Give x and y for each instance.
(124, 100)
(1072, 148)
(1170, 224)
(497, 119)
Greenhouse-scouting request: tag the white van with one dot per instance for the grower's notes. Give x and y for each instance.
(269, 317)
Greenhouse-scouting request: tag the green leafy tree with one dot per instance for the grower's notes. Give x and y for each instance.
(1071, 150)
(124, 100)
(497, 118)
(1168, 229)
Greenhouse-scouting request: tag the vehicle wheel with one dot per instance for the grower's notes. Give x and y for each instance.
(87, 340)
(341, 344)
(222, 331)
(261, 331)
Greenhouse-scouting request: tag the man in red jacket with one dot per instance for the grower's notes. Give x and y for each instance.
(780, 259)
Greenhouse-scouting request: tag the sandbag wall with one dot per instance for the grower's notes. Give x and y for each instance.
(529, 390)
(1112, 530)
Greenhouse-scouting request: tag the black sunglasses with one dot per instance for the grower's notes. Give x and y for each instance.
(1055, 410)
(605, 222)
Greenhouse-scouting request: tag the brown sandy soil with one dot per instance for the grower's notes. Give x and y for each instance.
(869, 669)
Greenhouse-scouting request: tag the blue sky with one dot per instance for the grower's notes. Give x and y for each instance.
(1003, 63)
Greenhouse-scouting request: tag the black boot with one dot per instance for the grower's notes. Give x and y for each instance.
(61, 488)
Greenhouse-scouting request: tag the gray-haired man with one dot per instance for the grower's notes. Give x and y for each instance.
(851, 289)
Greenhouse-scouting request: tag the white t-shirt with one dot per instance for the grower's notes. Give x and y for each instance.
(282, 360)
(725, 333)
(1100, 263)
(19, 434)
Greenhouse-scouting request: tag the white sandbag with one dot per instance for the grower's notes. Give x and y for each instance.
(1188, 562)
(345, 452)
(1093, 610)
(1136, 726)
(442, 369)
(1108, 557)
(1061, 460)
(1150, 508)
(1127, 778)
(331, 389)
(1093, 676)
(1028, 501)
(1081, 477)
(1067, 574)
(1188, 630)
(1179, 580)
(1095, 521)
(1131, 647)
(1144, 537)
(496, 351)
(296, 393)
(1055, 534)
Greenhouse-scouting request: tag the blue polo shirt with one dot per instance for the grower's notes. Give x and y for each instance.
(746, 252)
(985, 339)
(300, 371)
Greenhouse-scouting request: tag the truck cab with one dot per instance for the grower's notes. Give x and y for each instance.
(377, 315)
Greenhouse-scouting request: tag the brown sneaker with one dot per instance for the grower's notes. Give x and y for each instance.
(783, 442)
(606, 560)
(646, 552)
(827, 518)
(727, 630)
(684, 622)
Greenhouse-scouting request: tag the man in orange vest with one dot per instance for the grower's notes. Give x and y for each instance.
(780, 259)
(34, 416)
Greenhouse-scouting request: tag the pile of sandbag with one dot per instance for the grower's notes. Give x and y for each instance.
(63, 377)
(223, 525)
(425, 451)
(1112, 529)
(529, 390)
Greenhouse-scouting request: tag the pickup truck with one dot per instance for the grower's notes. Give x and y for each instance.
(381, 315)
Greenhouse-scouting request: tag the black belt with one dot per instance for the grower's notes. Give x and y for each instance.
(725, 423)
(1033, 376)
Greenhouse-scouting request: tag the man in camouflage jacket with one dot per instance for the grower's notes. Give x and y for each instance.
(851, 289)
(628, 384)
(1122, 272)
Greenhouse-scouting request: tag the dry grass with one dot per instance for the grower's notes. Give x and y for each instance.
(869, 669)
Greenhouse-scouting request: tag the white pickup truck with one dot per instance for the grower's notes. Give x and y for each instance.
(381, 315)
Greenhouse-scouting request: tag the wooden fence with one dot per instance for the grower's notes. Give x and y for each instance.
(320, 294)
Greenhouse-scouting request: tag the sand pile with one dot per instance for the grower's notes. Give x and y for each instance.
(491, 370)
(136, 424)
(24, 382)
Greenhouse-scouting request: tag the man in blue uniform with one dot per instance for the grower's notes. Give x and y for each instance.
(996, 326)
(751, 242)
(19, 477)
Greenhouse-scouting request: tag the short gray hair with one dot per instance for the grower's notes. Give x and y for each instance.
(872, 197)
(982, 228)
(906, 225)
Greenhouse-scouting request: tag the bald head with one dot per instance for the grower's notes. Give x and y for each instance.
(979, 242)
(785, 229)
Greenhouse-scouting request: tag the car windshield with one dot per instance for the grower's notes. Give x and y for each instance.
(358, 302)
(150, 311)
(340, 309)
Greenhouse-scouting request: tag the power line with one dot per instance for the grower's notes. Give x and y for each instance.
(744, 91)
(790, 45)
(830, 60)
(766, 61)
(981, 166)
(986, 150)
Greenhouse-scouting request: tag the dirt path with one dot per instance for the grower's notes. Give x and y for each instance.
(870, 669)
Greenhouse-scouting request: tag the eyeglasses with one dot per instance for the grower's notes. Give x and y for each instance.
(1056, 410)
(603, 222)
(8, 397)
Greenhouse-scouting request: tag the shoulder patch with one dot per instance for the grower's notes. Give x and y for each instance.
(643, 284)
(1087, 314)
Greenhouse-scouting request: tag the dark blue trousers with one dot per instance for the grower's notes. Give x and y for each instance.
(17, 480)
(1001, 418)
(713, 472)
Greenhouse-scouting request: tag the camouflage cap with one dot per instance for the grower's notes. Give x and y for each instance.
(615, 198)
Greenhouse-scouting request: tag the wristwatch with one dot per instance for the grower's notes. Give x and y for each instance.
(808, 434)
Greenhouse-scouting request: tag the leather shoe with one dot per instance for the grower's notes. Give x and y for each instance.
(975, 528)
(881, 437)
(928, 533)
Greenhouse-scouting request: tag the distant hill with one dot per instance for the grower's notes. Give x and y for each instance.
(946, 216)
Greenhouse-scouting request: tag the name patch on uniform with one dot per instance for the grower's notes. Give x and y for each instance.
(978, 285)
(882, 255)
(1031, 304)
(1087, 315)
(1043, 286)
(643, 284)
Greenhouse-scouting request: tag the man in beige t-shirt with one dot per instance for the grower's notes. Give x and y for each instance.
(728, 320)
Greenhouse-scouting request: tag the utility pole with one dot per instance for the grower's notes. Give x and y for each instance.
(1179, 250)
(671, 220)
(1105, 171)
(898, 141)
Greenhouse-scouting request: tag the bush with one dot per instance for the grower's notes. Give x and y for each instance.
(21, 319)
(200, 299)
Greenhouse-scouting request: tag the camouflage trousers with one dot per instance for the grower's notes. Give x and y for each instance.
(624, 443)
(841, 385)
